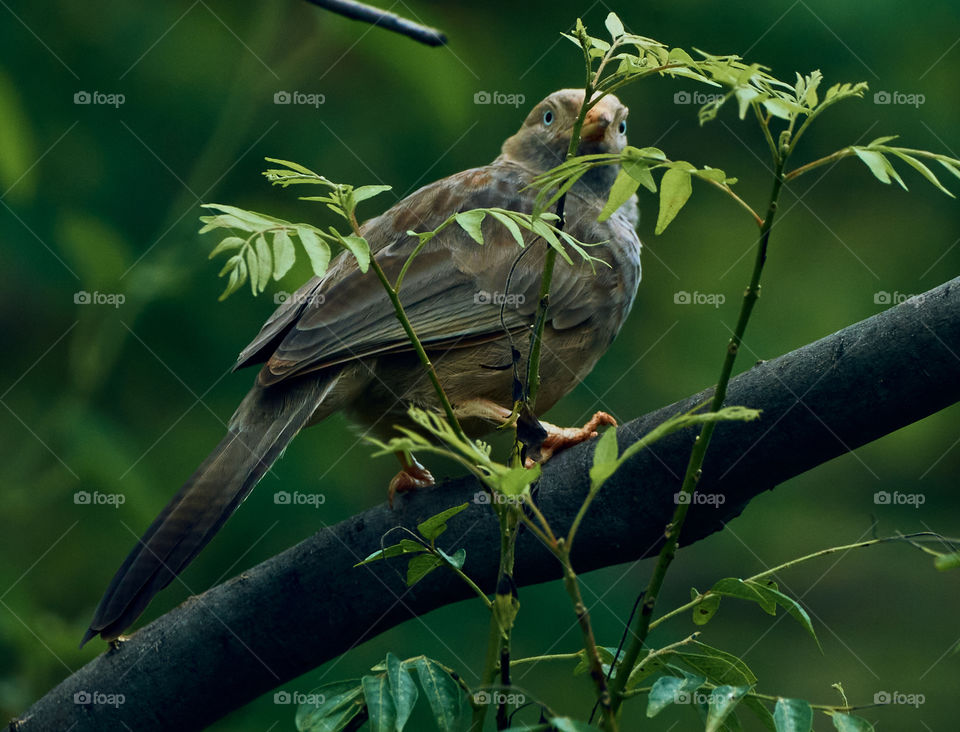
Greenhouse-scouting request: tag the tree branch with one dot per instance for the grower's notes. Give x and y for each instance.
(284, 617)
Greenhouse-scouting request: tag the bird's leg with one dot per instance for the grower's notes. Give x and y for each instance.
(558, 438)
(412, 475)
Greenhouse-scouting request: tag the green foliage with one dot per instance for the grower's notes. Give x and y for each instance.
(389, 698)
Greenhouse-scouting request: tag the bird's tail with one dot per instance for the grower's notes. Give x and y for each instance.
(264, 424)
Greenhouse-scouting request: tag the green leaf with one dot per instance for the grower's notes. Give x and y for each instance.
(283, 254)
(792, 606)
(318, 251)
(514, 481)
(876, 162)
(470, 222)
(718, 666)
(675, 189)
(402, 688)
(456, 559)
(436, 525)
(264, 263)
(441, 691)
(723, 700)
(364, 192)
(624, 186)
(733, 587)
(793, 715)
(510, 225)
(707, 608)
(338, 703)
(360, 249)
(850, 723)
(614, 25)
(567, 724)
(406, 546)
(922, 169)
(669, 690)
(947, 561)
(253, 266)
(420, 566)
(383, 712)
(604, 459)
(639, 170)
(227, 245)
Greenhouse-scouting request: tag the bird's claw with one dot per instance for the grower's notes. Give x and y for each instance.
(560, 438)
(410, 478)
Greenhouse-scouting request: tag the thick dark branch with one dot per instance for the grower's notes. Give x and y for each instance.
(286, 616)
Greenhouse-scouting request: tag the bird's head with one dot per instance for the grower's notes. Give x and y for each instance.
(542, 142)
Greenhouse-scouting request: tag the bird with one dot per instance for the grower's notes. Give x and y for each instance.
(336, 344)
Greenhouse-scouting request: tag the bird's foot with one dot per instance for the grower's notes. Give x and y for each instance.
(560, 438)
(412, 475)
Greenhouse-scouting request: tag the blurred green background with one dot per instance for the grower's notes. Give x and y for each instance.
(128, 400)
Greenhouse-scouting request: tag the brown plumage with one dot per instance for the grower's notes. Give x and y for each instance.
(336, 344)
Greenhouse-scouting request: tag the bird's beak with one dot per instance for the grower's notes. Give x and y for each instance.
(594, 126)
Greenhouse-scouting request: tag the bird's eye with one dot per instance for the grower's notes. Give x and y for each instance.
(548, 117)
(623, 127)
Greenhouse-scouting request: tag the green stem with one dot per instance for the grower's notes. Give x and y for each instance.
(550, 657)
(694, 466)
(839, 154)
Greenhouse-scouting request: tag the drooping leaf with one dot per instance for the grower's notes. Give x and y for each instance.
(402, 688)
(264, 264)
(793, 715)
(850, 723)
(471, 222)
(227, 245)
(432, 527)
(360, 249)
(383, 712)
(675, 190)
(420, 566)
(318, 251)
(604, 458)
(723, 700)
(336, 705)
(284, 255)
(624, 186)
(441, 691)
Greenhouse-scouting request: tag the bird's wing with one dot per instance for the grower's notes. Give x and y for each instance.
(452, 292)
